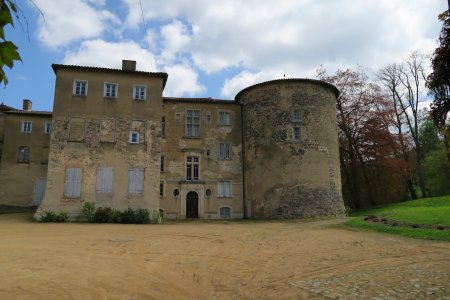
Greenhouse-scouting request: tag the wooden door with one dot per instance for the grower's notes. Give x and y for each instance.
(192, 205)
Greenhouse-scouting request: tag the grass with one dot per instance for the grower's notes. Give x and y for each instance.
(432, 211)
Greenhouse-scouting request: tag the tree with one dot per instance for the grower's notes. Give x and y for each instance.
(406, 84)
(439, 81)
(368, 164)
(8, 50)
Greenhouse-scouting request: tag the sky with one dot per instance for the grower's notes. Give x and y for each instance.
(213, 48)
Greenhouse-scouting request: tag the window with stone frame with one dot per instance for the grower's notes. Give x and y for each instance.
(163, 164)
(163, 126)
(72, 184)
(225, 151)
(139, 92)
(296, 116)
(27, 126)
(135, 181)
(48, 126)
(192, 168)
(224, 188)
(110, 90)
(224, 118)
(225, 212)
(296, 134)
(161, 188)
(80, 87)
(192, 123)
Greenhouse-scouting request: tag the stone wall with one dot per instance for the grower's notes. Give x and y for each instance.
(286, 177)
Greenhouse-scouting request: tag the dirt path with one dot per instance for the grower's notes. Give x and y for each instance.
(236, 260)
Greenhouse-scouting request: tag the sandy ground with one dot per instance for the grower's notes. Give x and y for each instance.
(223, 260)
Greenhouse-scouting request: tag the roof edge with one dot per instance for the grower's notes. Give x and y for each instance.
(306, 80)
(164, 75)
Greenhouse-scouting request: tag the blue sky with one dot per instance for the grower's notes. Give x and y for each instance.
(214, 48)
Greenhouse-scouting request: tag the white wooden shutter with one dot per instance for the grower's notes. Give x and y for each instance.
(105, 179)
(72, 188)
(136, 181)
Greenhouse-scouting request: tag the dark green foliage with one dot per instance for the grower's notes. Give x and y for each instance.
(50, 216)
(103, 215)
(87, 213)
(8, 50)
(142, 216)
(439, 80)
(128, 216)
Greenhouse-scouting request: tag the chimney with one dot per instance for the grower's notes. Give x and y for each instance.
(27, 104)
(128, 65)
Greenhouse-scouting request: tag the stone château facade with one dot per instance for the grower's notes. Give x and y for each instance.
(117, 142)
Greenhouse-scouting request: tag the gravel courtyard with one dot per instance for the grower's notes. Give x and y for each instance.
(318, 259)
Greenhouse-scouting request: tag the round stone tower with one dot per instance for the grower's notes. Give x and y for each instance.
(290, 149)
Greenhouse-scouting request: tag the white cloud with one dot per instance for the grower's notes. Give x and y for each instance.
(174, 37)
(68, 21)
(183, 81)
(292, 35)
(100, 53)
(242, 80)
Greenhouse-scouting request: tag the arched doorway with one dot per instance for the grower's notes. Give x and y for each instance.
(192, 205)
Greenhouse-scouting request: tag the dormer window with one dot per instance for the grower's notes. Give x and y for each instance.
(110, 90)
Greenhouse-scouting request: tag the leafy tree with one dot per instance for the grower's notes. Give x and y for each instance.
(372, 173)
(439, 81)
(8, 50)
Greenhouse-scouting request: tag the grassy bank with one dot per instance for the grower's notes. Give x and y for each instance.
(432, 211)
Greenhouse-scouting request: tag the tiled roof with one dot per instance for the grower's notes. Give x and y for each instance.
(30, 112)
(55, 68)
(4, 107)
(305, 80)
(198, 100)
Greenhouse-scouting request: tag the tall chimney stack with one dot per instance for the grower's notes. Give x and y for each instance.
(128, 65)
(27, 104)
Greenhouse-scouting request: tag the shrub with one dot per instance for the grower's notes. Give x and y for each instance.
(142, 216)
(128, 216)
(87, 214)
(50, 216)
(156, 217)
(103, 215)
(116, 216)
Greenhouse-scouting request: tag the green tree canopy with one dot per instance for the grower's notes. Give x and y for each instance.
(8, 50)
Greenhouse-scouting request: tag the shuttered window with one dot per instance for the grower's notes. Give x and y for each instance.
(105, 180)
(225, 151)
(24, 154)
(136, 181)
(224, 189)
(225, 212)
(72, 187)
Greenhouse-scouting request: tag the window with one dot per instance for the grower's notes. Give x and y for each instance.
(110, 90)
(48, 126)
(105, 180)
(163, 127)
(225, 212)
(175, 193)
(162, 163)
(225, 151)
(72, 186)
(136, 181)
(134, 137)
(80, 87)
(26, 126)
(208, 193)
(140, 92)
(192, 163)
(208, 118)
(296, 117)
(161, 188)
(224, 118)
(192, 123)
(296, 134)
(24, 155)
(224, 189)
